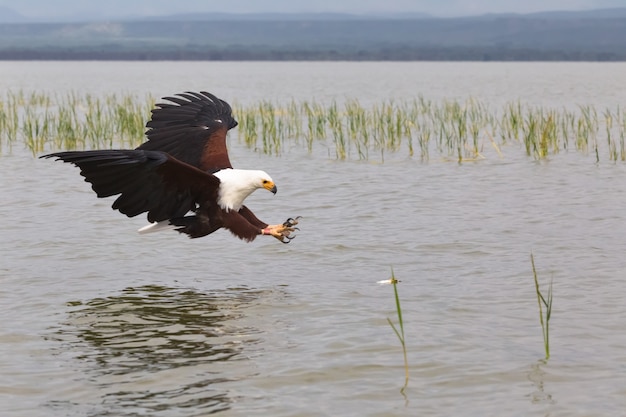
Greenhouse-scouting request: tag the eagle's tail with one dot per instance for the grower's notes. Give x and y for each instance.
(156, 227)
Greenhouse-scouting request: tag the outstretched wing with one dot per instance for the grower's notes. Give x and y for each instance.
(192, 130)
(147, 181)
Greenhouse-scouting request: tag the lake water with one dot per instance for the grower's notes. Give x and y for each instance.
(100, 321)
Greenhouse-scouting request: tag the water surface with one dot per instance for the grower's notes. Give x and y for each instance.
(98, 320)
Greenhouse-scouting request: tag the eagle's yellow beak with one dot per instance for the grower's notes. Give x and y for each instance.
(270, 186)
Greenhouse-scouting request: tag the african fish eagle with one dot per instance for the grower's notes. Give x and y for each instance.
(182, 176)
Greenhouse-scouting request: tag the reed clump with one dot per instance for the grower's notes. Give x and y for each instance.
(455, 130)
(73, 121)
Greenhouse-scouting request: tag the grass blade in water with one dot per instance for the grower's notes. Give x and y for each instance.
(399, 333)
(542, 301)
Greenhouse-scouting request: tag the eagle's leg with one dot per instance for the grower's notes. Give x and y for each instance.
(283, 231)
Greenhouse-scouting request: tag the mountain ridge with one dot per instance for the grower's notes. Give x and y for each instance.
(8, 15)
(596, 35)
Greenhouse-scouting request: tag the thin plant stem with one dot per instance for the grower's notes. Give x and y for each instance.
(541, 301)
(400, 333)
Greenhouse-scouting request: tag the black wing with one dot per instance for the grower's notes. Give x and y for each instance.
(148, 181)
(192, 130)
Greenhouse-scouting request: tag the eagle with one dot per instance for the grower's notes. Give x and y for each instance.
(181, 175)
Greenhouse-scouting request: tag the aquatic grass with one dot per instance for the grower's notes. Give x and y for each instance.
(269, 131)
(404, 120)
(622, 134)
(612, 145)
(512, 121)
(424, 141)
(357, 128)
(73, 121)
(543, 302)
(588, 129)
(457, 130)
(131, 116)
(247, 125)
(69, 130)
(476, 115)
(9, 119)
(399, 333)
(335, 123)
(8, 126)
(36, 129)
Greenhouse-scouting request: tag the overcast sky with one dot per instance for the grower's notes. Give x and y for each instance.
(114, 8)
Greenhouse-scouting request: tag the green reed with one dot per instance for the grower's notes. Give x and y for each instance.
(357, 128)
(399, 333)
(335, 124)
(612, 145)
(9, 121)
(457, 130)
(43, 122)
(621, 116)
(615, 135)
(543, 302)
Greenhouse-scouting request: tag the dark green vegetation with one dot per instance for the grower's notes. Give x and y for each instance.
(591, 36)
(454, 130)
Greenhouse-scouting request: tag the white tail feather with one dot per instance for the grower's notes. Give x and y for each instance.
(156, 227)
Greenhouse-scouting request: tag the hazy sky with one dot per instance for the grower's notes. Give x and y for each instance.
(114, 8)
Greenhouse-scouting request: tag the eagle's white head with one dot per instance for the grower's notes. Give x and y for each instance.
(237, 184)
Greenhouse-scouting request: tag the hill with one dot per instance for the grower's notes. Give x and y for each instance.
(593, 35)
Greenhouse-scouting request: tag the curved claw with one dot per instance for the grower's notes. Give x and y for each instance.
(290, 222)
(281, 231)
(289, 239)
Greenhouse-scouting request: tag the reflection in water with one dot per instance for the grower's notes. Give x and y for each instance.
(161, 351)
(536, 376)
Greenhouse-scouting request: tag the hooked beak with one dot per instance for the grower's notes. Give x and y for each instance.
(270, 186)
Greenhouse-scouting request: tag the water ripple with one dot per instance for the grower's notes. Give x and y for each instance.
(159, 350)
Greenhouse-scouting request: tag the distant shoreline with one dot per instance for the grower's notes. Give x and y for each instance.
(585, 36)
(453, 55)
